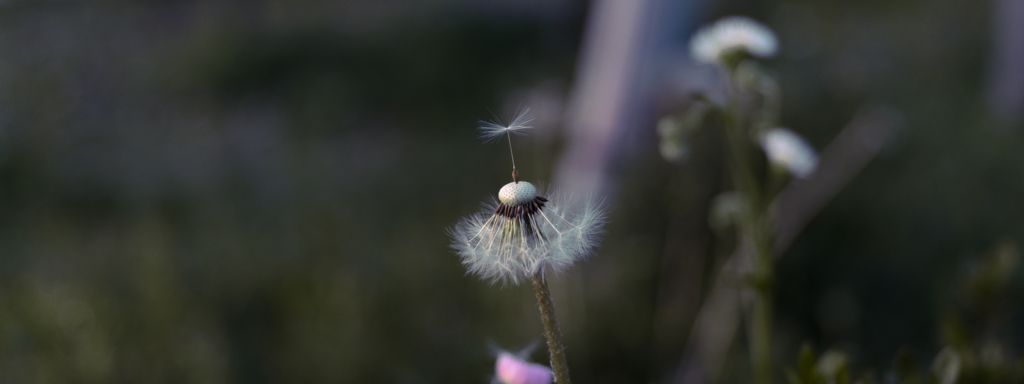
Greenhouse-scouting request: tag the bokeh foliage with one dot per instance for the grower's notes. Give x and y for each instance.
(228, 191)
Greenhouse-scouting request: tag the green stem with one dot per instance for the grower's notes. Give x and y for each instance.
(761, 337)
(762, 282)
(547, 314)
(755, 228)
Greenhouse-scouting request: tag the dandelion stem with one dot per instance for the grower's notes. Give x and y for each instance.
(547, 314)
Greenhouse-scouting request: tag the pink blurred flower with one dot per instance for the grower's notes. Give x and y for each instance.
(512, 370)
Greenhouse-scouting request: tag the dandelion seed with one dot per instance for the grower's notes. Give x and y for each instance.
(790, 151)
(494, 130)
(513, 370)
(731, 34)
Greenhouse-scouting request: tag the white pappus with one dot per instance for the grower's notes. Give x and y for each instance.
(524, 233)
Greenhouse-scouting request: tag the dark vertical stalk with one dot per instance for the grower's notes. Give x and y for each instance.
(547, 314)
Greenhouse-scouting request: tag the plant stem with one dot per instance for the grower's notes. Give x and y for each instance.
(754, 226)
(547, 314)
(761, 337)
(762, 282)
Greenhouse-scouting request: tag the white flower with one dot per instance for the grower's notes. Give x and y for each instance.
(731, 34)
(789, 150)
(524, 233)
(512, 370)
(492, 131)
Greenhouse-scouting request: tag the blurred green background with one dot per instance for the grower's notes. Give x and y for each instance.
(257, 192)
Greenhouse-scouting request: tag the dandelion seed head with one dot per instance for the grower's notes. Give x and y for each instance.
(731, 34)
(790, 151)
(510, 369)
(523, 233)
(495, 130)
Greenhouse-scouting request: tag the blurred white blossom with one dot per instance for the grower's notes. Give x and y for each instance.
(732, 34)
(790, 151)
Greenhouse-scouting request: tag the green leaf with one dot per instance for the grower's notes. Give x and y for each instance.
(905, 368)
(806, 365)
(947, 365)
(834, 367)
